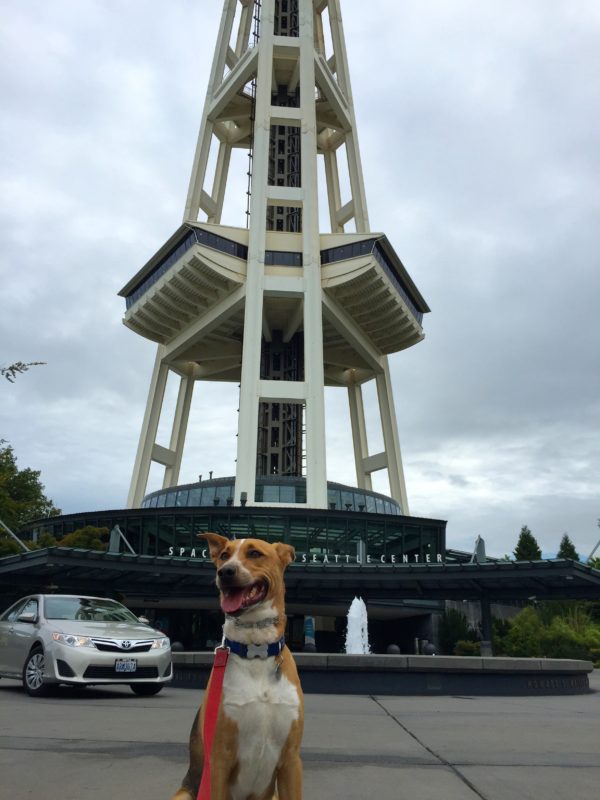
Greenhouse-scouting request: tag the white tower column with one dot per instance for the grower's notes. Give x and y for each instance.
(143, 459)
(253, 315)
(316, 472)
(391, 439)
(180, 422)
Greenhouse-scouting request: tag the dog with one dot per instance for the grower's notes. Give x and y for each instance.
(256, 746)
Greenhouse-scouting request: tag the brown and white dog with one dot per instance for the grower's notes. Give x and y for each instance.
(256, 747)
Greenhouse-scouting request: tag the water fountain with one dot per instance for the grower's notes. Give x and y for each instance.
(357, 634)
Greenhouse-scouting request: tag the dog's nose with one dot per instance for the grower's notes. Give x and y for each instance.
(227, 571)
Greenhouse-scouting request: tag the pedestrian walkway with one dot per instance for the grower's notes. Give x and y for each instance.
(101, 744)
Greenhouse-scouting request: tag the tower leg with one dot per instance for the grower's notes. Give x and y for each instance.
(182, 413)
(359, 436)
(390, 437)
(141, 469)
(316, 468)
(251, 349)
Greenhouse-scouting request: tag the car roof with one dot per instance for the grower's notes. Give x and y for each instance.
(81, 596)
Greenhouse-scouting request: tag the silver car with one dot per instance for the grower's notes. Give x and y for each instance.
(47, 639)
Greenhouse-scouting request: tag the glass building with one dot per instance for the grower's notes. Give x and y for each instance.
(359, 526)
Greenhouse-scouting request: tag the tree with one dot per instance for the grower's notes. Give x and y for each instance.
(567, 548)
(22, 495)
(18, 368)
(527, 548)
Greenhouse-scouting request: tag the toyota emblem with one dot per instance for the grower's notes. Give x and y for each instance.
(126, 644)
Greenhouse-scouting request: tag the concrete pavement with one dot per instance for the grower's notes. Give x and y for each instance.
(103, 744)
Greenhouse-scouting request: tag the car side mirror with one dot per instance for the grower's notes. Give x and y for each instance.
(30, 617)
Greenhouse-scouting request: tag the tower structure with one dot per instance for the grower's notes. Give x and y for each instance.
(277, 306)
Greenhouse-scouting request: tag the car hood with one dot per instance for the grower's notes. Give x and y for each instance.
(105, 630)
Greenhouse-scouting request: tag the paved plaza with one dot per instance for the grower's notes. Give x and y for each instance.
(104, 744)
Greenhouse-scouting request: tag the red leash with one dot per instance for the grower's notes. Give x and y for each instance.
(211, 712)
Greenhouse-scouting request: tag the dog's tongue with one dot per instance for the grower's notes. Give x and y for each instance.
(231, 601)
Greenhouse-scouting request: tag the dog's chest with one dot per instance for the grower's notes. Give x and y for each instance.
(263, 706)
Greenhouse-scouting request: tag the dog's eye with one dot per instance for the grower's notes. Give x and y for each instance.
(254, 554)
(224, 555)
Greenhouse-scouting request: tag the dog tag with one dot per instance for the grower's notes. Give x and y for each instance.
(278, 668)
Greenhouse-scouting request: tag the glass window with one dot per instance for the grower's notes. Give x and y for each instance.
(356, 535)
(297, 536)
(170, 499)
(133, 530)
(359, 500)
(183, 535)
(30, 607)
(208, 495)
(347, 501)
(182, 497)
(375, 538)
(87, 608)
(238, 526)
(194, 496)
(160, 500)
(270, 493)
(334, 499)
(200, 524)
(165, 535)
(394, 539)
(149, 536)
(223, 492)
(301, 493)
(13, 612)
(287, 494)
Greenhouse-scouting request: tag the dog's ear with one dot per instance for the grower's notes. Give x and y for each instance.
(216, 543)
(285, 552)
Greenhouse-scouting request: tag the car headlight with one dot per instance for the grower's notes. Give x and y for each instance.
(72, 640)
(161, 644)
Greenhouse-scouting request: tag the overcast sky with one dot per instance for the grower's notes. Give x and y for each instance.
(479, 126)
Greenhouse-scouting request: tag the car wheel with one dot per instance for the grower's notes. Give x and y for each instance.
(33, 674)
(146, 689)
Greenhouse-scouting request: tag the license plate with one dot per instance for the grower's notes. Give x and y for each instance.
(125, 665)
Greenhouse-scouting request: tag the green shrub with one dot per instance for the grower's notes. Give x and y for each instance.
(467, 648)
(45, 539)
(500, 630)
(524, 637)
(88, 538)
(454, 628)
(559, 640)
(8, 546)
(547, 633)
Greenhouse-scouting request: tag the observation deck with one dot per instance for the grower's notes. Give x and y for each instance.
(190, 298)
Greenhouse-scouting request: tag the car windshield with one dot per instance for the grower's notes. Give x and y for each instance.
(87, 608)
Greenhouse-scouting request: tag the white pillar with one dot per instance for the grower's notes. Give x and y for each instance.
(141, 469)
(249, 396)
(359, 435)
(316, 470)
(391, 439)
(180, 421)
